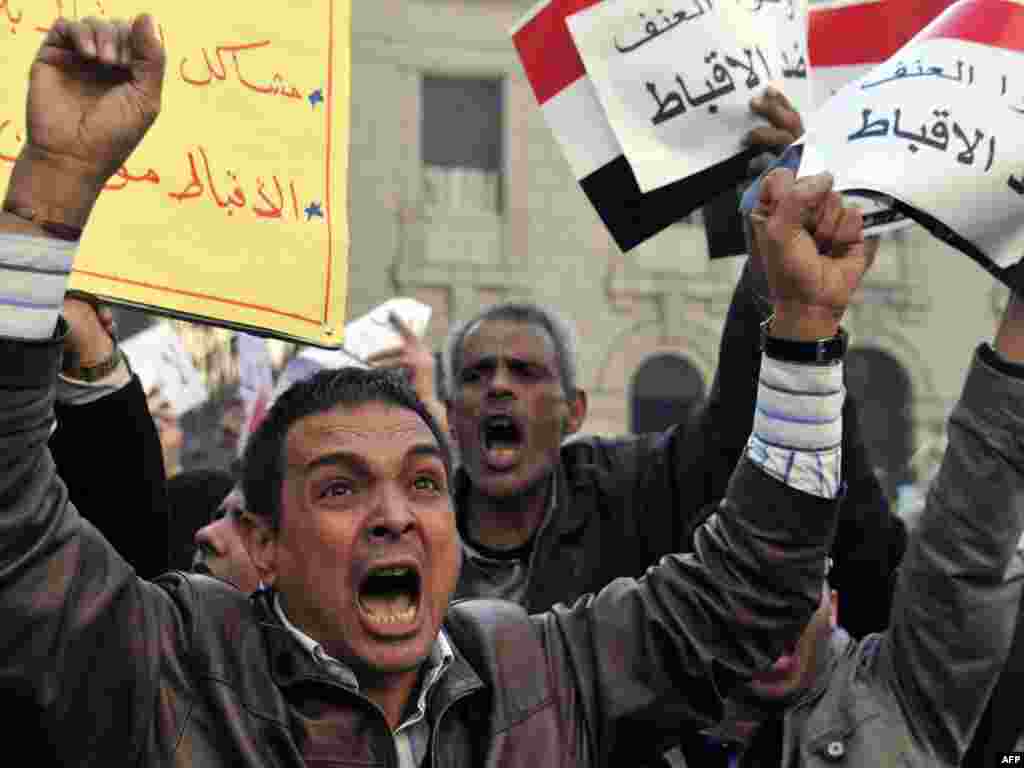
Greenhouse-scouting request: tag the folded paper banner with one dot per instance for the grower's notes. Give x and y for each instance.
(846, 39)
(939, 129)
(571, 107)
(233, 209)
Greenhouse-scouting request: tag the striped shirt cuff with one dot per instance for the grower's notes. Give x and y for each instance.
(34, 273)
(798, 425)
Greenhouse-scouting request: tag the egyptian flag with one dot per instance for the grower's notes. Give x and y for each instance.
(955, 164)
(570, 105)
(846, 39)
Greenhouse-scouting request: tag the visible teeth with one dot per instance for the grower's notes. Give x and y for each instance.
(394, 618)
(391, 572)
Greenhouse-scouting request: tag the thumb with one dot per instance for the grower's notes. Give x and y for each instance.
(400, 325)
(148, 57)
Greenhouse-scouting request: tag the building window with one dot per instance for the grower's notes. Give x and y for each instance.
(883, 397)
(461, 141)
(665, 390)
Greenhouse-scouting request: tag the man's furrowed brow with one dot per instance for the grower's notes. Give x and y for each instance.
(361, 464)
(426, 449)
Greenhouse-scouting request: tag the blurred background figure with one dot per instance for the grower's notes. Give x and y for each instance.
(231, 423)
(168, 427)
(194, 498)
(219, 550)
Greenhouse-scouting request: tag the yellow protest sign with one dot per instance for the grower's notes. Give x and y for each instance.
(233, 210)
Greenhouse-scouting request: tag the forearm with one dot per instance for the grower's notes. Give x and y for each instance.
(49, 197)
(664, 649)
(954, 612)
(728, 610)
(136, 520)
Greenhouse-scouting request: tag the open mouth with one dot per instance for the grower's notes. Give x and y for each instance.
(502, 439)
(390, 595)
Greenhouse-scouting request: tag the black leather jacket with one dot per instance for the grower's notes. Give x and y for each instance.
(187, 671)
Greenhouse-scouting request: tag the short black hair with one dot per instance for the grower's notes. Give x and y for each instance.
(263, 465)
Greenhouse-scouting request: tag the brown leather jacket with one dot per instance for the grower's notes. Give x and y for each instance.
(187, 671)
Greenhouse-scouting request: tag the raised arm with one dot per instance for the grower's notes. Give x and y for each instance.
(870, 538)
(662, 649)
(103, 424)
(955, 607)
(75, 630)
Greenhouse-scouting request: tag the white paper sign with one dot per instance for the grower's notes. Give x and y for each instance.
(368, 334)
(676, 84)
(781, 26)
(373, 331)
(160, 359)
(940, 127)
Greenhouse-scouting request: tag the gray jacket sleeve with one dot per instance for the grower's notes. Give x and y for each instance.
(956, 599)
(646, 655)
(75, 636)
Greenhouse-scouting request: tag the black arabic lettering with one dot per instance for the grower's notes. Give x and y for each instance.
(671, 106)
(798, 67)
(914, 138)
(764, 61)
(1016, 184)
(752, 80)
(937, 138)
(967, 156)
(874, 129)
(653, 30)
(720, 75)
(901, 72)
(940, 130)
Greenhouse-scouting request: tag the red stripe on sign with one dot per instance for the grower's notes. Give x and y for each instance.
(547, 51)
(998, 23)
(866, 34)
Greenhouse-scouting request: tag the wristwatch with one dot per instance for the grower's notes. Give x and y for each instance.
(91, 373)
(819, 352)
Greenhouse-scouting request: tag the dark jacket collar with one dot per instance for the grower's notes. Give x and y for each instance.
(566, 519)
(290, 663)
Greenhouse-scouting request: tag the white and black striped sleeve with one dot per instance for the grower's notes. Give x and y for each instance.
(798, 425)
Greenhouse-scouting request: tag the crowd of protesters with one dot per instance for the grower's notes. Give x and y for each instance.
(392, 576)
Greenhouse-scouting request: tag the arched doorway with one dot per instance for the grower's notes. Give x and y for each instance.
(664, 391)
(884, 399)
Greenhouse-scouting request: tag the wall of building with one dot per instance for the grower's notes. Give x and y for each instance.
(924, 305)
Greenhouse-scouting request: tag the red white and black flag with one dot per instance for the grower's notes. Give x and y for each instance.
(939, 129)
(571, 107)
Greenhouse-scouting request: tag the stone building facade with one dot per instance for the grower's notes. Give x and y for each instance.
(460, 197)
